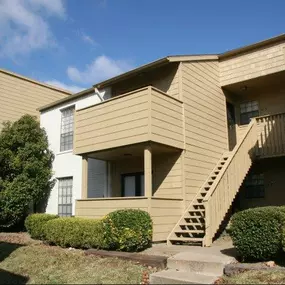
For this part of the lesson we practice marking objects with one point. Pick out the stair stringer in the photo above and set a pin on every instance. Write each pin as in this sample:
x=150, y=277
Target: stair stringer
x=181, y=221
x=178, y=234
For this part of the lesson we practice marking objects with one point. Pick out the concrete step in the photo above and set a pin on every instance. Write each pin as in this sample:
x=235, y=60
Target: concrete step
x=198, y=263
x=180, y=277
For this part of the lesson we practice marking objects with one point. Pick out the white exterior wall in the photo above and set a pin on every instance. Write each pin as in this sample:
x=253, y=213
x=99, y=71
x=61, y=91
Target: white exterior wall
x=66, y=164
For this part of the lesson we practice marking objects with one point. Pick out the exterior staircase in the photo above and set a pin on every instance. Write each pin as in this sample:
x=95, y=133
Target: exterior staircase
x=203, y=217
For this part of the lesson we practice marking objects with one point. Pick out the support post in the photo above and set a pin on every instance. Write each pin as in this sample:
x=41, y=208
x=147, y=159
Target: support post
x=84, y=187
x=148, y=171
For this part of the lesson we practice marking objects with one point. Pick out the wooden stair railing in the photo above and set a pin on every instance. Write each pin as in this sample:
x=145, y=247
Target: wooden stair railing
x=204, y=215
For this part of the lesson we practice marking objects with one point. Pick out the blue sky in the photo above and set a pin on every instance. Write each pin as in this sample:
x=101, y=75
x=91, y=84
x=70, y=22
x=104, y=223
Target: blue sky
x=77, y=43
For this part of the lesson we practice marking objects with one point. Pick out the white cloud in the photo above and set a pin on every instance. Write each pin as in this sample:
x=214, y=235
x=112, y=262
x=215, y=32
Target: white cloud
x=88, y=40
x=23, y=25
x=72, y=88
x=101, y=68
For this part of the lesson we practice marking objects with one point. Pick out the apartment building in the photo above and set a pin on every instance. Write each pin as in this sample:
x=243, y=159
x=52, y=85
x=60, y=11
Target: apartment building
x=183, y=138
x=20, y=95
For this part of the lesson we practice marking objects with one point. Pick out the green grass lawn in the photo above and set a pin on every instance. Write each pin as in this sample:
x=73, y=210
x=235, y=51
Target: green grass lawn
x=255, y=277
x=25, y=260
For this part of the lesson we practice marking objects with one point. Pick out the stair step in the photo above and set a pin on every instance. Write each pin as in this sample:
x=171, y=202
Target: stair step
x=171, y=276
x=193, y=224
x=190, y=231
x=194, y=217
x=197, y=210
x=187, y=239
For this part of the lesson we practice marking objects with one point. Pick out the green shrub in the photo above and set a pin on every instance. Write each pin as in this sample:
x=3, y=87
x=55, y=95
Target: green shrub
x=257, y=233
x=127, y=230
x=35, y=224
x=74, y=232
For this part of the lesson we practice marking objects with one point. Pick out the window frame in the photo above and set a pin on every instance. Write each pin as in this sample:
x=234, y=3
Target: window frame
x=61, y=196
x=256, y=188
x=247, y=114
x=63, y=146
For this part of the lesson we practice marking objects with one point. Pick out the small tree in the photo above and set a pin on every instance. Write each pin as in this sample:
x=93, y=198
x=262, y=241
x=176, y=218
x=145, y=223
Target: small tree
x=25, y=170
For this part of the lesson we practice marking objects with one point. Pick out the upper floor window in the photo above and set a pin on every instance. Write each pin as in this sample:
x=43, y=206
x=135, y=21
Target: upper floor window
x=66, y=134
x=254, y=184
x=248, y=110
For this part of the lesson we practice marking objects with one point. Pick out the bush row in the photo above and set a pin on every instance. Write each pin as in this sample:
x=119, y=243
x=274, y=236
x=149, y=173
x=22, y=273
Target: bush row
x=125, y=230
x=259, y=233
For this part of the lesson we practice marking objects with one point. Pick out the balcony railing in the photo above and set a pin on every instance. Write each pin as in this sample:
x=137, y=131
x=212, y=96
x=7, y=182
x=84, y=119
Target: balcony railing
x=271, y=135
x=146, y=114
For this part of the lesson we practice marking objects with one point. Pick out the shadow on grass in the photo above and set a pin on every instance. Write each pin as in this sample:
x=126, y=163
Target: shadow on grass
x=7, y=277
x=6, y=248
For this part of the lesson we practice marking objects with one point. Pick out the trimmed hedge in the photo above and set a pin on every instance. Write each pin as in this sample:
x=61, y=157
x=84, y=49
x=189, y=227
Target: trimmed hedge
x=35, y=224
x=127, y=230
x=257, y=233
x=74, y=232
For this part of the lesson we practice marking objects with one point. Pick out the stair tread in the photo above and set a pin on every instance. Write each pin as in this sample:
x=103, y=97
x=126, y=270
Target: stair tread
x=192, y=224
x=187, y=238
x=197, y=210
x=190, y=231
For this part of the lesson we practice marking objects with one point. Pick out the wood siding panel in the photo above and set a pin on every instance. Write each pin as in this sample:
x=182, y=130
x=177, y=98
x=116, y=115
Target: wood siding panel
x=97, y=128
x=167, y=176
x=164, y=110
x=205, y=123
x=97, y=208
x=19, y=97
x=253, y=64
x=165, y=214
x=142, y=115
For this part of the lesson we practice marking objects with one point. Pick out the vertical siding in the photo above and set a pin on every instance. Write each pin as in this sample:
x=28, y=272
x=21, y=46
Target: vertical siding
x=19, y=97
x=253, y=64
x=205, y=122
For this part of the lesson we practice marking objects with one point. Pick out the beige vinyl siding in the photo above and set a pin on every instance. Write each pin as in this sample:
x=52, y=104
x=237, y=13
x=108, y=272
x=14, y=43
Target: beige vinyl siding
x=166, y=124
x=164, y=78
x=165, y=214
x=167, y=175
x=120, y=121
x=253, y=64
x=19, y=97
x=205, y=122
x=97, y=208
x=146, y=114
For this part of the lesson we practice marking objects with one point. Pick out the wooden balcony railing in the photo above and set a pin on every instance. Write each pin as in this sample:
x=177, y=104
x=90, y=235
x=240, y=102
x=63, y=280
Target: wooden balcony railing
x=271, y=135
x=145, y=114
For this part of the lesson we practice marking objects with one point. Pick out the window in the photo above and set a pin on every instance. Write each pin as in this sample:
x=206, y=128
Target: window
x=66, y=134
x=65, y=196
x=254, y=185
x=248, y=110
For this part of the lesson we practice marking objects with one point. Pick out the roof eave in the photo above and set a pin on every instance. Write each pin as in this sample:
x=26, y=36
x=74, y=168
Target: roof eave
x=66, y=99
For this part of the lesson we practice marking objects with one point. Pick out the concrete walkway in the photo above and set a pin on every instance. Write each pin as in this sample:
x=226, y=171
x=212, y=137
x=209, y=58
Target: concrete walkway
x=192, y=264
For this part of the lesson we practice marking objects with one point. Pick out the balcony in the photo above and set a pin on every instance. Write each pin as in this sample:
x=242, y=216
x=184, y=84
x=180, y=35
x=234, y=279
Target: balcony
x=143, y=115
x=271, y=135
